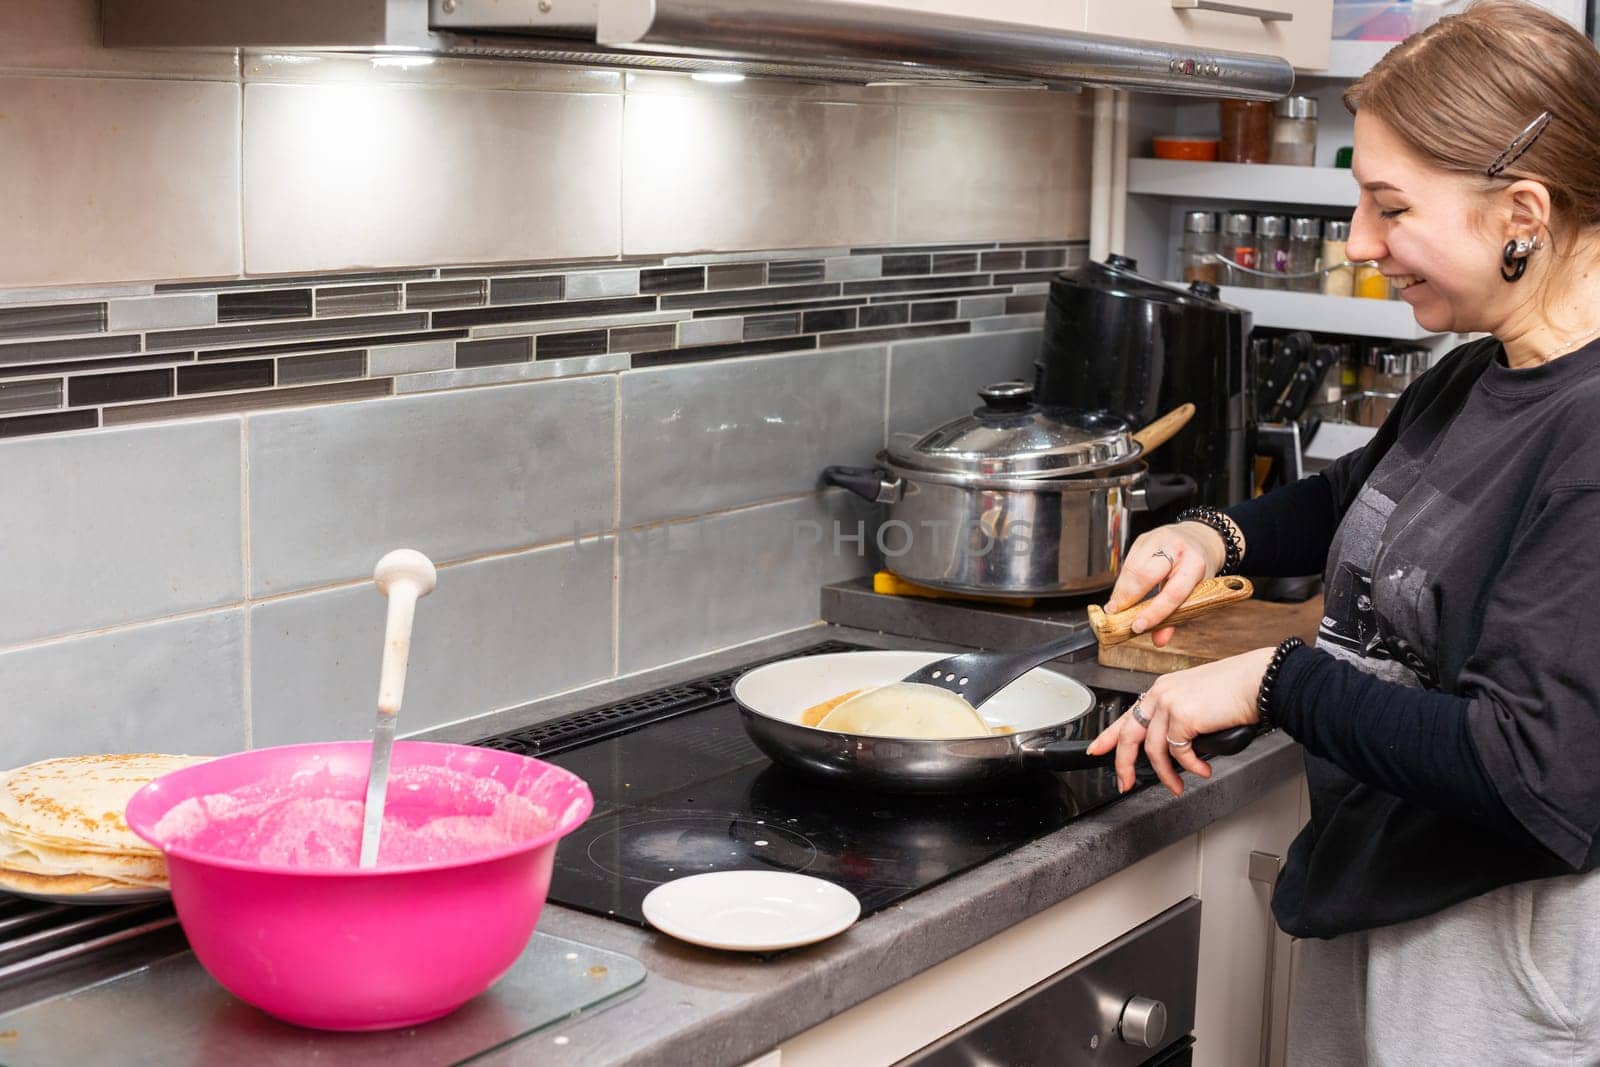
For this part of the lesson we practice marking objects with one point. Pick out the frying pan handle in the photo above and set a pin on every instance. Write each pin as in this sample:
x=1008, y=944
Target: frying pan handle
x=868, y=483
x=1074, y=755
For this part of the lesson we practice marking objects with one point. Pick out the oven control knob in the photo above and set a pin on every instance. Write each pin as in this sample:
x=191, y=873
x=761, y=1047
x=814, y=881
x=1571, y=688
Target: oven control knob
x=1143, y=1022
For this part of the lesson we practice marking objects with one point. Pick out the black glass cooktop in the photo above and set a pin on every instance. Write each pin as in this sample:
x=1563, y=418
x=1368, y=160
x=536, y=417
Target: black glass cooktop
x=680, y=789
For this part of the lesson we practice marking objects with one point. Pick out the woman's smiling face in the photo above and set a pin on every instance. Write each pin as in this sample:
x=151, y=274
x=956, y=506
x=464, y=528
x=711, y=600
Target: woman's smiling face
x=1427, y=230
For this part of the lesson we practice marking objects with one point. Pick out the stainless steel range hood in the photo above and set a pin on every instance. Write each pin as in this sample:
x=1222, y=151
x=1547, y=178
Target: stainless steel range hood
x=826, y=40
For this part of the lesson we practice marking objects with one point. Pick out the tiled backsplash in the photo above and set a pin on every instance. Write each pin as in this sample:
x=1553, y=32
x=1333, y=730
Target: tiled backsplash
x=109, y=358
x=204, y=584
x=248, y=282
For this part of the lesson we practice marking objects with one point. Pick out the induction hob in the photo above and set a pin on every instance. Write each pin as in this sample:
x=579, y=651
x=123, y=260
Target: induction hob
x=680, y=789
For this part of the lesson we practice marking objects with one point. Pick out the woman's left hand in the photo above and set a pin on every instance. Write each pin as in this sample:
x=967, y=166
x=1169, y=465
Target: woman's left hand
x=1180, y=706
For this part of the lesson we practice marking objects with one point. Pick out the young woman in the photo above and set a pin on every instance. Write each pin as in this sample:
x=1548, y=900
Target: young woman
x=1450, y=710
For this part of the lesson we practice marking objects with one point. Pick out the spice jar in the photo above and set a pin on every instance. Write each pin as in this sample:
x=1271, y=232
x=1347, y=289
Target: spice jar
x=1200, y=248
x=1398, y=367
x=1294, y=131
x=1371, y=284
x=1246, y=131
x=1238, y=244
x=1336, y=280
x=1305, y=245
x=1272, y=249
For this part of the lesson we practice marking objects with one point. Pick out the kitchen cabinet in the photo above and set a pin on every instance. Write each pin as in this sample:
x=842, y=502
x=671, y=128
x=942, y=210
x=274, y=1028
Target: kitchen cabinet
x=1244, y=957
x=1301, y=37
x=1297, y=30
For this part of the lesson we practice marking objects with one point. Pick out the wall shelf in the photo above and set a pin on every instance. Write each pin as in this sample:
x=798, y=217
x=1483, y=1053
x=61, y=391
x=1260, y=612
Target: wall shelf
x=1280, y=309
x=1327, y=186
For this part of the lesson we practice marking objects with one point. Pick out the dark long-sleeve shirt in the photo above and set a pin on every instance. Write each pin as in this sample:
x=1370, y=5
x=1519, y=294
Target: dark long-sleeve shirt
x=1451, y=711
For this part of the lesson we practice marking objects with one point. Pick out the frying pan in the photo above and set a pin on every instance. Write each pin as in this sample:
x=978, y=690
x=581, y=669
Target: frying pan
x=1049, y=712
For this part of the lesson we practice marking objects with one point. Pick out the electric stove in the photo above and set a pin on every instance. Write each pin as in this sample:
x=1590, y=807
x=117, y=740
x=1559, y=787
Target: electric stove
x=680, y=789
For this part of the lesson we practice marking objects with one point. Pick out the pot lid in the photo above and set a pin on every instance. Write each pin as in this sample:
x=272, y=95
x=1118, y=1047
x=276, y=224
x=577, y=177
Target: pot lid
x=1010, y=435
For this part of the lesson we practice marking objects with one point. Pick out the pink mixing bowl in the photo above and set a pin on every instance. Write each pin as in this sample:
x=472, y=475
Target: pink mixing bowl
x=352, y=949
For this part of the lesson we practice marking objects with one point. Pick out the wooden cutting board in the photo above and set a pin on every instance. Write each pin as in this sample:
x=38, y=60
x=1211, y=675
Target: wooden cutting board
x=1225, y=632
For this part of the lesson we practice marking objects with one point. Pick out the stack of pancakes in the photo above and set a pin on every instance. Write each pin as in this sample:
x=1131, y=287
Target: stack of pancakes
x=62, y=829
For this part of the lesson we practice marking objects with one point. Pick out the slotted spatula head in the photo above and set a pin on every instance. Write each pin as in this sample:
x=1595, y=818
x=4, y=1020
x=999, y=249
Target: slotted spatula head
x=977, y=676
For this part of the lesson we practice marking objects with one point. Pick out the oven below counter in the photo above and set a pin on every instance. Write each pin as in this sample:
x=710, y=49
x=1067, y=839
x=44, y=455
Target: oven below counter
x=902, y=979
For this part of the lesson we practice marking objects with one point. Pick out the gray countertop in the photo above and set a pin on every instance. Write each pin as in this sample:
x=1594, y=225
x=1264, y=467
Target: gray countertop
x=703, y=1006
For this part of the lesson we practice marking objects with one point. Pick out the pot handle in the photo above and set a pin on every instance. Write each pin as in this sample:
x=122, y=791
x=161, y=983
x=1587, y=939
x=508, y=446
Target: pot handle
x=1164, y=429
x=1159, y=490
x=868, y=483
x=1074, y=756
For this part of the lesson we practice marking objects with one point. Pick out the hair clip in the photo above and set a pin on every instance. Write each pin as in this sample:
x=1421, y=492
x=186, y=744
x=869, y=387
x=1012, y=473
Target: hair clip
x=1519, y=144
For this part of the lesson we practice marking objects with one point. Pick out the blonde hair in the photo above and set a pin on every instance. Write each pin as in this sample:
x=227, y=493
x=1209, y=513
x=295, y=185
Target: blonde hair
x=1461, y=90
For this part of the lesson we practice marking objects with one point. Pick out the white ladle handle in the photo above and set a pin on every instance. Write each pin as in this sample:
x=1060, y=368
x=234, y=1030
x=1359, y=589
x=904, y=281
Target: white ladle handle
x=403, y=575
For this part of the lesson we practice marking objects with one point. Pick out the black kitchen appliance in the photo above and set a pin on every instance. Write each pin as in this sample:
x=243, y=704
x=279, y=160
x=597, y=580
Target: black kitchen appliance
x=680, y=789
x=1117, y=341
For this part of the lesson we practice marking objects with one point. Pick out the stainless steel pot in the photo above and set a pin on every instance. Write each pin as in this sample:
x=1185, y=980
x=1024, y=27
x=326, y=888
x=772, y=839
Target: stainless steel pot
x=1007, y=536
x=1015, y=501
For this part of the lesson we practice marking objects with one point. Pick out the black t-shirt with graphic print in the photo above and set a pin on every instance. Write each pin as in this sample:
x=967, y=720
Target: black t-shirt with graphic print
x=1451, y=709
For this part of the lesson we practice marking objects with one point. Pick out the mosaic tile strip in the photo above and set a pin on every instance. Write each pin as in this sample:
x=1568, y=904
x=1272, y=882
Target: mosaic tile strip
x=30, y=395
x=77, y=359
x=47, y=321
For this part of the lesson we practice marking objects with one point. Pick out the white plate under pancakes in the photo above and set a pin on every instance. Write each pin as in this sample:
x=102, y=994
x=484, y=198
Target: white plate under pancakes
x=104, y=897
x=63, y=838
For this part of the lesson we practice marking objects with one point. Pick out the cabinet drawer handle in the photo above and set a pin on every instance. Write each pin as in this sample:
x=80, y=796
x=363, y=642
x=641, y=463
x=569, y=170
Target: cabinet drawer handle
x=1264, y=14
x=1263, y=868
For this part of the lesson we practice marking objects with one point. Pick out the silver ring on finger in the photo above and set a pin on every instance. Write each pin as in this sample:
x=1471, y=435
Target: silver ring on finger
x=1163, y=554
x=1139, y=715
x=1179, y=744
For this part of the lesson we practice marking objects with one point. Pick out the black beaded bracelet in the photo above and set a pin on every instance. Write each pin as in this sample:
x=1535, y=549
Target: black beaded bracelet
x=1215, y=519
x=1270, y=678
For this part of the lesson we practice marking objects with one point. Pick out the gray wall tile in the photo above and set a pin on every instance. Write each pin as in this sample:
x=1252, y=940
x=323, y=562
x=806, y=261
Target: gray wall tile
x=1030, y=321
x=514, y=372
x=593, y=284
x=174, y=686
x=710, y=331
x=408, y=359
x=492, y=634
x=934, y=380
x=587, y=322
x=118, y=526
x=30, y=395
x=701, y=437
x=849, y=268
x=977, y=307
x=332, y=489
x=162, y=312
x=689, y=587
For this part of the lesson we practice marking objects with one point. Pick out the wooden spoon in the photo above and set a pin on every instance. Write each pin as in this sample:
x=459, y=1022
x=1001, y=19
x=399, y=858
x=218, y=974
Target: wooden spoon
x=1163, y=429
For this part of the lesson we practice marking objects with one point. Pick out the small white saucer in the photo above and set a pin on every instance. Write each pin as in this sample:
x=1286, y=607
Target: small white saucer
x=751, y=911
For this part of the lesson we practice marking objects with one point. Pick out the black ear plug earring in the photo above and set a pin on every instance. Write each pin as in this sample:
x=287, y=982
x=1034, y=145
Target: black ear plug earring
x=1515, y=257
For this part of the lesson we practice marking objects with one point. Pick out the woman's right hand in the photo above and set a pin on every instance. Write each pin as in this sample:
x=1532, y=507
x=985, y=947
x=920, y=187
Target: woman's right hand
x=1176, y=557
